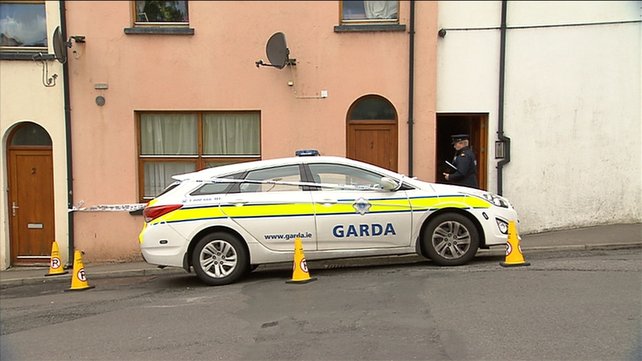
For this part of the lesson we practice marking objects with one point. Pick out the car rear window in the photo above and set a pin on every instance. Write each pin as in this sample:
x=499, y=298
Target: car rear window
x=169, y=188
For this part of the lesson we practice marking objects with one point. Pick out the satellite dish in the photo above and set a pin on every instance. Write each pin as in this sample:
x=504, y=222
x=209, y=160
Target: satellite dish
x=60, y=45
x=277, y=50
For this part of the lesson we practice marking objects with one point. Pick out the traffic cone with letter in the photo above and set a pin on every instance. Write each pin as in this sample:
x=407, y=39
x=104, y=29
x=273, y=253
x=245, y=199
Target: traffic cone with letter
x=79, y=278
x=55, y=264
x=514, y=256
x=300, y=272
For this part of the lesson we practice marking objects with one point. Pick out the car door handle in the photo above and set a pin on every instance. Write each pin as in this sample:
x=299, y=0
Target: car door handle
x=237, y=202
x=327, y=202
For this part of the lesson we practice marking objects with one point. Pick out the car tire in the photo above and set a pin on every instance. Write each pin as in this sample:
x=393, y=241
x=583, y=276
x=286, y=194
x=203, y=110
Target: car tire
x=220, y=258
x=450, y=239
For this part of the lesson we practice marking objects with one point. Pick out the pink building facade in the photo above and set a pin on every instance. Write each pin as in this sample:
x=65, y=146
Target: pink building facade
x=150, y=98
x=147, y=89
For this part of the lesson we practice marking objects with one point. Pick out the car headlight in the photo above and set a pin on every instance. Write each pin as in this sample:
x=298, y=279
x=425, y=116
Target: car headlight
x=502, y=225
x=499, y=201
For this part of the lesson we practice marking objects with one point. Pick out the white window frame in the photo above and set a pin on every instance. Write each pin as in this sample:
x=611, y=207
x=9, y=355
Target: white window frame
x=29, y=49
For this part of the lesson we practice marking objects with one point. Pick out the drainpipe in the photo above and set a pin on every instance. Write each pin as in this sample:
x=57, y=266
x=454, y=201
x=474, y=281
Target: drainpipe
x=411, y=85
x=500, y=114
x=70, y=188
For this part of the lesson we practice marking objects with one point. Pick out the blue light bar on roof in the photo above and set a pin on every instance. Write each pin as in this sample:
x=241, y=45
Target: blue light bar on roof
x=306, y=153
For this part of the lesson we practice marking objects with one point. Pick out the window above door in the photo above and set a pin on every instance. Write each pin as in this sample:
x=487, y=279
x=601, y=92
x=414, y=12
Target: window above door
x=372, y=107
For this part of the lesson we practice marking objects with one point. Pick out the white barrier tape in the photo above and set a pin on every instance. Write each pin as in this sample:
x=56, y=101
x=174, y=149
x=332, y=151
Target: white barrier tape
x=138, y=206
x=374, y=187
x=110, y=208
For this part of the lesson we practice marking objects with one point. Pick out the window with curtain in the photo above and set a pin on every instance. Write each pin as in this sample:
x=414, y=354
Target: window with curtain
x=23, y=26
x=153, y=12
x=363, y=11
x=176, y=143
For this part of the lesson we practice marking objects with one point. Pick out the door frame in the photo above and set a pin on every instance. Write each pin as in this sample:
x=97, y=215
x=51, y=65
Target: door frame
x=473, y=124
x=14, y=239
x=373, y=112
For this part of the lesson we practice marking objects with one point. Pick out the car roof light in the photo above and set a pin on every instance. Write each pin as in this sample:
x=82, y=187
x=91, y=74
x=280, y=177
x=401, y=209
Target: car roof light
x=307, y=153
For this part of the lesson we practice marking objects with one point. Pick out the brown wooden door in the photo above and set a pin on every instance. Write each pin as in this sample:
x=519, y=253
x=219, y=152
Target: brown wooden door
x=373, y=142
x=31, y=205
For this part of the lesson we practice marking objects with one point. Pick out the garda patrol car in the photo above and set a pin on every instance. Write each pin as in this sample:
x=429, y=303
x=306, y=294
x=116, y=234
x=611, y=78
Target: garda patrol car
x=224, y=221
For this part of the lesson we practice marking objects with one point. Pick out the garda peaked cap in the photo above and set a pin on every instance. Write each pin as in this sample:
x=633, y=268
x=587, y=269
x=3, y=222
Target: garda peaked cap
x=455, y=138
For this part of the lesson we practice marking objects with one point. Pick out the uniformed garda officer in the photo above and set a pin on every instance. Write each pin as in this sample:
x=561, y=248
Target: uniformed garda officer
x=464, y=162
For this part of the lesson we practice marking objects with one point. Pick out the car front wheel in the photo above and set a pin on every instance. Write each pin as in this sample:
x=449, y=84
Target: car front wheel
x=219, y=259
x=451, y=239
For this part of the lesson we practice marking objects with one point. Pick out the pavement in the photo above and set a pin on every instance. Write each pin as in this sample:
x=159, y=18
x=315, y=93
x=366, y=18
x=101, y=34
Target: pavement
x=617, y=236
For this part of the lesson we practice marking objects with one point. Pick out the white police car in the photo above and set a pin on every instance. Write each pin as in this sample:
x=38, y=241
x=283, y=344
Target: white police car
x=223, y=221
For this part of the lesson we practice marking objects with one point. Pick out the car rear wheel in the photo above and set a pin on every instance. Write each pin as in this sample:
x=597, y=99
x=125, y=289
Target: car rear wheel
x=219, y=259
x=451, y=239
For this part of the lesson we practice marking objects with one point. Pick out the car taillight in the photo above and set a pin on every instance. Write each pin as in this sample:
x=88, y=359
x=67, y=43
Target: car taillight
x=151, y=213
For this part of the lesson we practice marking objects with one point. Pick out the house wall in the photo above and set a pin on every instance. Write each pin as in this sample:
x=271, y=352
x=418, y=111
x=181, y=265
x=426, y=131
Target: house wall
x=214, y=69
x=23, y=98
x=572, y=104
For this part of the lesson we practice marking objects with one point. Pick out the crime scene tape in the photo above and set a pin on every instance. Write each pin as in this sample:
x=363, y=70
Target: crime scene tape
x=372, y=187
x=109, y=208
x=138, y=206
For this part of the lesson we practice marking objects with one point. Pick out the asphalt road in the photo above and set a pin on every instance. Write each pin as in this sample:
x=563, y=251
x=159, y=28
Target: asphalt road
x=565, y=306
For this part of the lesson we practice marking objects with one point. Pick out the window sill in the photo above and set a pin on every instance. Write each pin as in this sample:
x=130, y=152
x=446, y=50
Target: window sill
x=368, y=28
x=15, y=55
x=157, y=30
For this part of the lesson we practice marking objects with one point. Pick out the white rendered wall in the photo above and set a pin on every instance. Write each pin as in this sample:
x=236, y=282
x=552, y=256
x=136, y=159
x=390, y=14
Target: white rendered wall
x=23, y=98
x=572, y=104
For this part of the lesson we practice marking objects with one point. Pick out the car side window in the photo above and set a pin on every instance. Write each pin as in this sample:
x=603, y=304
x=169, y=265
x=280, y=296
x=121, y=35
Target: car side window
x=272, y=180
x=218, y=187
x=343, y=175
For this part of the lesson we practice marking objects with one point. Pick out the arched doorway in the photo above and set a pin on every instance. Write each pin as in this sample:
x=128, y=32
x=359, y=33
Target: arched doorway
x=372, y=132
x=31, y=194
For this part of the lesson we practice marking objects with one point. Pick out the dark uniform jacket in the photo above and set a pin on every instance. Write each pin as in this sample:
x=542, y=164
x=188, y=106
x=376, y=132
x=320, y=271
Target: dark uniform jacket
x=466, y=165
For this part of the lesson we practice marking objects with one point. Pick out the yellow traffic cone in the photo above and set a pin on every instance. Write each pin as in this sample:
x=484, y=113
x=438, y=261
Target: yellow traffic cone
x=79, y=278
x=300, y=273
x=514, y=256
x=55, y=265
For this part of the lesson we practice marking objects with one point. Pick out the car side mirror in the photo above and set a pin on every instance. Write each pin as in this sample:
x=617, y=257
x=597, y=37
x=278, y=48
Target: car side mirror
x=389, y=184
